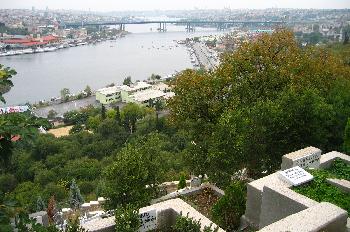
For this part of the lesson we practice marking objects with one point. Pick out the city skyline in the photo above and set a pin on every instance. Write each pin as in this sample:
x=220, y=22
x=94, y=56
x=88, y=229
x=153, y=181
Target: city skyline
x=137, y=5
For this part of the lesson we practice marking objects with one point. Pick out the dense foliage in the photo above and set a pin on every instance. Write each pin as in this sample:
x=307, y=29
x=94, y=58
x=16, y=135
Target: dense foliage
x=127, y=219
x=267, y=98
x=189, y=225
x=228, y=210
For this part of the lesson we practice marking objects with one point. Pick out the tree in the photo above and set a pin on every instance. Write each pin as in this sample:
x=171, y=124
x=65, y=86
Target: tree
x=75, y=198
x=5, y=82
x=127, y=81
x=103, y=112
x=65, y=93
x=267, y=98
x=134, y=175
x=88, y=91
x=130, y=114
x=117, y=116
x=127, y=219
x=51, y=114
x=51, y=210
x=40, y=205
x=182, y=181
x=229, y=209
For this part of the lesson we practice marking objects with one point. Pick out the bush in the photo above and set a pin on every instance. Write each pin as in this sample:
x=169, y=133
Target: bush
x=8, y=182
x=229, y=209
x=127, y=219
x=187, y=224
x=182, y=182
x=86, y=187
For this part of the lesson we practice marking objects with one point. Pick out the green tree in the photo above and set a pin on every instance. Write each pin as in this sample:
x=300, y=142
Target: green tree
x=103, y=112
x=65, y=93
x=127, y=81
x=228, y=210
x=127, y=219
x=182, y=181
x=40, y=205
x=75, y=198
x=135, y=174
x=267, y=98
x=5, y=82
x=51, y=114
x=130, y=114
x=88, y=91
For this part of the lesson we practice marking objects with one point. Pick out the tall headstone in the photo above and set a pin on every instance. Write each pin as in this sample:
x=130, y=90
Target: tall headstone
x=305, y=158
x=148, y=220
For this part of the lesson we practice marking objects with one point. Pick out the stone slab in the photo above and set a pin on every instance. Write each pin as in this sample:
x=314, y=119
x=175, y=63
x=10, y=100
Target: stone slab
x=305, y=158
x=254, y=197
x=328, y=158
x=332, y=219
x=295, y=176
x=166, y=215
x=279, y=202
x=342, y=184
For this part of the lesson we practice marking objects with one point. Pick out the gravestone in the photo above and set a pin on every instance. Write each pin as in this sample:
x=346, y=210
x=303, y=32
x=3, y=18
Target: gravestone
x=148, y=220
x=295, y=176
x=305, y=158
x=195, y=182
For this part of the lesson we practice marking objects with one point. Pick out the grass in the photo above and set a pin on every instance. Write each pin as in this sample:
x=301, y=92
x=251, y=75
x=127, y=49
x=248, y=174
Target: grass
x=319, y=190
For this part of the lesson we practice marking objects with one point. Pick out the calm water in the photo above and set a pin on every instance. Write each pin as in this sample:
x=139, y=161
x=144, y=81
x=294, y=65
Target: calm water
x=42, y=76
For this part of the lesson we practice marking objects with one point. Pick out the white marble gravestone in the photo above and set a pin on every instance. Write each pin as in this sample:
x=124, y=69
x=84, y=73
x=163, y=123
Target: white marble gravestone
x=295, y=176
x=305, y=158
x=148, y=220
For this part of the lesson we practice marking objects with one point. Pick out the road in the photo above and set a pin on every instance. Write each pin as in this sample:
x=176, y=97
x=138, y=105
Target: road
x=62, y=108
x=203, y=56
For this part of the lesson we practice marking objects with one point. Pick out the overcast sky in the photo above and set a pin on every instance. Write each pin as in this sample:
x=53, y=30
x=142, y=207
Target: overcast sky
x=116, y=5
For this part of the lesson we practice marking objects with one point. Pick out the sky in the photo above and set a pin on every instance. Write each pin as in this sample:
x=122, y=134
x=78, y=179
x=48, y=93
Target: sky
x=121, y=5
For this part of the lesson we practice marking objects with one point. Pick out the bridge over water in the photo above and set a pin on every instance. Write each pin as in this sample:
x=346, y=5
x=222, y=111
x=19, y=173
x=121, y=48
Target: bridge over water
x=190, y=24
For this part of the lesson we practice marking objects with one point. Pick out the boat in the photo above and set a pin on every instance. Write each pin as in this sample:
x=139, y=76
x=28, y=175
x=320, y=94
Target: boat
x=39, y=50
x=18, y=52
x=50, y=49
x=10, y=53
x=28, y=51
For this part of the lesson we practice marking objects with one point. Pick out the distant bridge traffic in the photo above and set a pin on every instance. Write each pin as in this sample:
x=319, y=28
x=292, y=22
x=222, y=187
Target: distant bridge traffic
x=221, y=24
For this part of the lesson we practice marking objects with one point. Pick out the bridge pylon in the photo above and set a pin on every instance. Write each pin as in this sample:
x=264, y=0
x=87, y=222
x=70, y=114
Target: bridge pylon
x=162, y=27
x=122, y=27
x=190, y=28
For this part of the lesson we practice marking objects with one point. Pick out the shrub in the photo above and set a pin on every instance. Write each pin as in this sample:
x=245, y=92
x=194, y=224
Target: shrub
x=8, y=182
x=182, y=181
x=229, y=209
x=127, y=219
x=86, y=187
x=187, y=224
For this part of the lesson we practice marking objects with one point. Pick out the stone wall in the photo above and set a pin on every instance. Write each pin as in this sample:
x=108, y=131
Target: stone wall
x=272, y=204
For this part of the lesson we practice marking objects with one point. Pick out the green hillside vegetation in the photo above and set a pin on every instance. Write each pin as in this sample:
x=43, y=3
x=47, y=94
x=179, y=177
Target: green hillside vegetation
x=268, y=98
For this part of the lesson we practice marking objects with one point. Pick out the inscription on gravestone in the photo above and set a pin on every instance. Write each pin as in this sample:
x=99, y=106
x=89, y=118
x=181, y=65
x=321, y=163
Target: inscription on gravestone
x=308, y=161
x=148, y=221
x=295, y=176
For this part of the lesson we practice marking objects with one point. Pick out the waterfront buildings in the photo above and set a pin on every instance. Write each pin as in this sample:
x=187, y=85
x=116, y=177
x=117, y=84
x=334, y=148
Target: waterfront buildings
x=141, y=93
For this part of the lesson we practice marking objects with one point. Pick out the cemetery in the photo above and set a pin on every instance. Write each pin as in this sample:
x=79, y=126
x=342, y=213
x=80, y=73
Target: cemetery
x=309, y=193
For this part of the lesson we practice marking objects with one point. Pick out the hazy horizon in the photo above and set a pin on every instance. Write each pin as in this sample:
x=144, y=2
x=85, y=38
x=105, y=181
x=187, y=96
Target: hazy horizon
x=137, y=5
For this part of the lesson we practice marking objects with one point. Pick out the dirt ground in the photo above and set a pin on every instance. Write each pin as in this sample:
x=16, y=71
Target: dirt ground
x=59, y=132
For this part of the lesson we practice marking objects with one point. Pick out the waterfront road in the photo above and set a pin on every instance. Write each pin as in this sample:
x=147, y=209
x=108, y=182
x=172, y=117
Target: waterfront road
x=203, y=56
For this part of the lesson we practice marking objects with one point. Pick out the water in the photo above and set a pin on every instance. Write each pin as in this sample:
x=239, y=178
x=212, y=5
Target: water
x=42, y=76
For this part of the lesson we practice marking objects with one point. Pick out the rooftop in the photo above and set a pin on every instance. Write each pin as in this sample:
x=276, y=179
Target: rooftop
x=135, y=87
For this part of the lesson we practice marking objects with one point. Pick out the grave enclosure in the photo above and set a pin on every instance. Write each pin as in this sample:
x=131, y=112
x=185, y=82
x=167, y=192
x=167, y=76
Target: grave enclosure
x=273, y=206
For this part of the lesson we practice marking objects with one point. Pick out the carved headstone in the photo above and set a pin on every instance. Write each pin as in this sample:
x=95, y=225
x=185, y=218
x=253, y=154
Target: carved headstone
x=305, y=158
x=148, y=221
x=295, y=176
